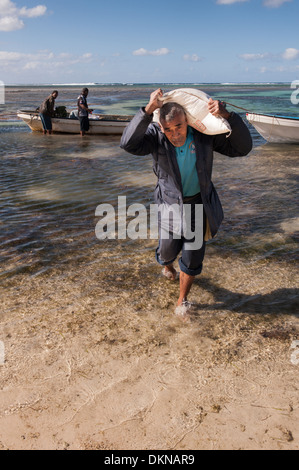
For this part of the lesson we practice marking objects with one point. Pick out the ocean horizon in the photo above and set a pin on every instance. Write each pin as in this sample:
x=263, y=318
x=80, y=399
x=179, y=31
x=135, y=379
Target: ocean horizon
x=143, y=83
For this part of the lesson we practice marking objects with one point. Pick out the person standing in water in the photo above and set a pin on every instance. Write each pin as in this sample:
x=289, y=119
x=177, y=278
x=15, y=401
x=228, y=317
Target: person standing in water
x=83, y=111
x=46, y=110
x=183, y=161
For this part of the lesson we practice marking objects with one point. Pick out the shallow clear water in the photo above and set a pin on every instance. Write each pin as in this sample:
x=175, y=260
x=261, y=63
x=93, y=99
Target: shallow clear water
x=94, y=356
x=51, y=186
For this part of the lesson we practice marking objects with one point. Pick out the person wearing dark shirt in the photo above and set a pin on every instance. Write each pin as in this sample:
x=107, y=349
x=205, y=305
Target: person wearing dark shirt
x=47, y=112
x=83, y=111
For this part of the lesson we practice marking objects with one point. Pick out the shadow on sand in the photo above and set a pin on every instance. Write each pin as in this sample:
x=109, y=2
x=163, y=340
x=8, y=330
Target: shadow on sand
x=284, y=301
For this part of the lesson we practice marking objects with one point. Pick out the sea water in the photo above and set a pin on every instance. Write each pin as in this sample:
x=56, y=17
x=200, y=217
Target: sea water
x=51, y=186
x=91, y=353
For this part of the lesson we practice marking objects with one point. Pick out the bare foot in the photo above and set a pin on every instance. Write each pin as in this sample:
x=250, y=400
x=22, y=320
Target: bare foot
x=170, y=272
x=184, y=310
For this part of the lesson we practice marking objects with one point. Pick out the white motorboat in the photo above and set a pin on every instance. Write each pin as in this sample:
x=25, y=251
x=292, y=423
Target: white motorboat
x=276, y=129
x=100, y=124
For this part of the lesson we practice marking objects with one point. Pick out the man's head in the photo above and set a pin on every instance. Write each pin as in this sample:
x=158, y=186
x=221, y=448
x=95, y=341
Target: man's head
x=85, y=91
x=55, y=94
x=173, y=122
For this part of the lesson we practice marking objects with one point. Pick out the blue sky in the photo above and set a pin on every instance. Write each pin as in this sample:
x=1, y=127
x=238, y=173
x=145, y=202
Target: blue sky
x=108, y=41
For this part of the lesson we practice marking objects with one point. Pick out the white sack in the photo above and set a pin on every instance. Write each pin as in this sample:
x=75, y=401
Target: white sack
x=196, y=107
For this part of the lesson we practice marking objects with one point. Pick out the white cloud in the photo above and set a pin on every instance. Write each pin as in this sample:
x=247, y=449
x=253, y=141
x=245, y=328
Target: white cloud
x=87, y=56
x=10, y=23
x=266, y=3
x=192, y=58
x=290, y=54
x=145, y=52
x=31, y=66
x=11, y=16
x=40, y=10
x=260, y=56
x=275, y=3
x=230, y=2
x=6, y=57
x=7, y=7
x=44, y=60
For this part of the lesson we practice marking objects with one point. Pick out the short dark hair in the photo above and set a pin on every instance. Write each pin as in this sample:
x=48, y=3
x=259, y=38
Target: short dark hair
x=169, y=111
x=85, y=90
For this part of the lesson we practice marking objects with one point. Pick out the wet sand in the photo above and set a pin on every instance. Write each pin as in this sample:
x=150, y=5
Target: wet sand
x=105, y=364
x=94, y=355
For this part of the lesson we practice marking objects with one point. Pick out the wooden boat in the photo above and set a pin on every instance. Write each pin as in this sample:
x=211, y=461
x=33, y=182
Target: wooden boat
x=100, y=124
x=276, y=129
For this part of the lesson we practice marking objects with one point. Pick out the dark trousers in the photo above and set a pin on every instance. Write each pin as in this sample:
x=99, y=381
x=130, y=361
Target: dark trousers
x=191, y=260
x=84, y=123
x=46, y=121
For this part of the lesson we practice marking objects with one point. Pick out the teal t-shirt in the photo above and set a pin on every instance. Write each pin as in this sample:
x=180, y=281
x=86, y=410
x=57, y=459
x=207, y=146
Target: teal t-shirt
x=186, y=158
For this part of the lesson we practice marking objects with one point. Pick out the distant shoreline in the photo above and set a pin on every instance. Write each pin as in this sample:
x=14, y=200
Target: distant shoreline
x=93, y=84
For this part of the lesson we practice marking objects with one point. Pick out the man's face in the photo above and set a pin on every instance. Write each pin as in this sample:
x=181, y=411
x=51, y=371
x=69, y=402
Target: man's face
x=176, y=130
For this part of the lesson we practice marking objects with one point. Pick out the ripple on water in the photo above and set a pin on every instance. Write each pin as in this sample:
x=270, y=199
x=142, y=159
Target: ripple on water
x=50, y=188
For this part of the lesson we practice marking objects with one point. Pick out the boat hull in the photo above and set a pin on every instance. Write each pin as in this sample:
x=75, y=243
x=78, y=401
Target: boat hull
x=105, y=125
x=276, y=129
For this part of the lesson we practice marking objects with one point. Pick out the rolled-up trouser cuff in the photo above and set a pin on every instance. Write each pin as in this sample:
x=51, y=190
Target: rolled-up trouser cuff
x=190, y=272
x=191, y=261
x=163, y=263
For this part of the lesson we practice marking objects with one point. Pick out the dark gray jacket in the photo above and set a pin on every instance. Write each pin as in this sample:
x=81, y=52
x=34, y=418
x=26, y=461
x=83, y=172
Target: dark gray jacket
x=142, y=137
x=47, y=107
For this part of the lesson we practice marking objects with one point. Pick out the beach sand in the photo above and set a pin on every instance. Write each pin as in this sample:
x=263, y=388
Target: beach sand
x=94, y=356
x=104, y=363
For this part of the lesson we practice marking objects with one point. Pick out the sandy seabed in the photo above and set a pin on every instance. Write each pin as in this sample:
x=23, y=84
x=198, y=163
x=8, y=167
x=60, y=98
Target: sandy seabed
x=97, y=360
x=94, y=355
